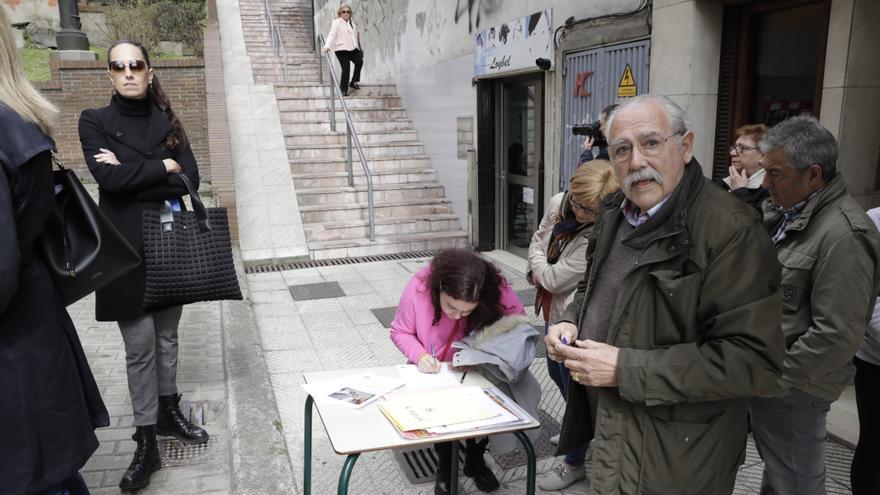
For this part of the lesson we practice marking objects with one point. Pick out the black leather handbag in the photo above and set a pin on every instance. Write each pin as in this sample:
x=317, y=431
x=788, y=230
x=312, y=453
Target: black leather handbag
x=188, y=255
x=82, y=249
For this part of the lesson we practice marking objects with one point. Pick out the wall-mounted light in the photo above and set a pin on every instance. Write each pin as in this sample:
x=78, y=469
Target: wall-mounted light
x=543, y=63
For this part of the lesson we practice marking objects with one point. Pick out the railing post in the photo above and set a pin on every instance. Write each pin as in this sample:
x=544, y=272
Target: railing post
x=332, y=107
x=350, y=168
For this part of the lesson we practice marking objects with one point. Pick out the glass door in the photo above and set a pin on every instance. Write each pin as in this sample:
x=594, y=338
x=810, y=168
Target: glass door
x=522, y=152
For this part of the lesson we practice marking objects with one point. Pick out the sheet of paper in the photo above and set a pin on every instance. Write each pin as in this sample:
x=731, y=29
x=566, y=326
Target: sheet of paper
x=354, y=391
x=416, y=380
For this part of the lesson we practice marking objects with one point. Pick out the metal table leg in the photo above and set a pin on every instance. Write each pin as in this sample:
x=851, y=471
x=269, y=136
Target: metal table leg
x=530, y=461
x=453, y=479
x=307, y=444
x=345, y=476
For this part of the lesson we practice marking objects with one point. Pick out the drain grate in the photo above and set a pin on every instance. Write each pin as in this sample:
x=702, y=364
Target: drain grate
x=543, y=447
x=420, y=465
x=337, y=261
x=175, y=453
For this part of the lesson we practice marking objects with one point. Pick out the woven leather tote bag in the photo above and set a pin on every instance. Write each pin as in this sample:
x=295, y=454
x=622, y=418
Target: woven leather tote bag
x=188, y=255
x=82, y=249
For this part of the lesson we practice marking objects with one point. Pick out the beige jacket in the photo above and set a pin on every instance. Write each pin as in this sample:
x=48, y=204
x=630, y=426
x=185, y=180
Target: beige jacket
x=342, y=37
x=560, y=278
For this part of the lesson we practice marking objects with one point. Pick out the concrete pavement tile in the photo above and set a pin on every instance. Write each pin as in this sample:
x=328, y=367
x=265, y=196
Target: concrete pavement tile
x=277, y=296
x=275, y=309
x=272, y=324
x=293, y=275
x=278, y=341
x=360, y=316
x=356, y=287
x=292, y=361
x=318, y=323
x=266, y=285
x=266, y=276
x=319, y=306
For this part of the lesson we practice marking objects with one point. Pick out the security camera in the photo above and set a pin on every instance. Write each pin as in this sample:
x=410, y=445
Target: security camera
x=543, y=63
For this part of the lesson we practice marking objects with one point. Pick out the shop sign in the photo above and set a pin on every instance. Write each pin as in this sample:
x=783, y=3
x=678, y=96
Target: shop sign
x=514, y=45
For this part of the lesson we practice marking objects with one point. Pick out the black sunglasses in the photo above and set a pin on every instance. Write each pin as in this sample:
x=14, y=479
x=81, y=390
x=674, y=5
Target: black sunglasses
x=133, y=65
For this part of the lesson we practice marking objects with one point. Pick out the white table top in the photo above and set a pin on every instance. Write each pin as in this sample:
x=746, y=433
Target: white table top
x=366, y=429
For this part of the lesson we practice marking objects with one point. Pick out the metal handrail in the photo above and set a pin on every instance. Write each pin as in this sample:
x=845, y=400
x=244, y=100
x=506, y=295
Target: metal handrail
x=275, y=34
x=351, y=134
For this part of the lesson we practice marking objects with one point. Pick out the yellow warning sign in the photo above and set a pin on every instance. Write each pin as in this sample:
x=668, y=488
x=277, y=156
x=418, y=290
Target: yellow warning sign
x=627, y=86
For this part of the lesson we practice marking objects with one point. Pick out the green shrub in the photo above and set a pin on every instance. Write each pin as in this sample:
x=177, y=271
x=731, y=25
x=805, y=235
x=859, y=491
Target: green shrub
x=152, y=21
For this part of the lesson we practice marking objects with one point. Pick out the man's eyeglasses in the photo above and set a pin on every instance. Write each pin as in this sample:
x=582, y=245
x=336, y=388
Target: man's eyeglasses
x=740, y=148
x=648, y=146
x=585, y=209
x=133, y=65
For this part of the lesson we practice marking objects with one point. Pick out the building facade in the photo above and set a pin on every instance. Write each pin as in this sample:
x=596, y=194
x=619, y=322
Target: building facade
x=497, y=121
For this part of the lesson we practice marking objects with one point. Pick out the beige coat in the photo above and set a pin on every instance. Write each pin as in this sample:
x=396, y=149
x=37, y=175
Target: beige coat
x=560, y=278
x=342, y=37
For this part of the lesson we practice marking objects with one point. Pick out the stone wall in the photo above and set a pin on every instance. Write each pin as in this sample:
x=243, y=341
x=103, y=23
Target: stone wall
x=78, y=85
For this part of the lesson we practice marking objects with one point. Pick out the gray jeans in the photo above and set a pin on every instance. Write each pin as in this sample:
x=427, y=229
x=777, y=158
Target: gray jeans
x=790, y=435
x=151, y=361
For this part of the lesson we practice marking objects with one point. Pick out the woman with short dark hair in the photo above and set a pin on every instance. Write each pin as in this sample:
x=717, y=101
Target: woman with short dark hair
x=135, y=147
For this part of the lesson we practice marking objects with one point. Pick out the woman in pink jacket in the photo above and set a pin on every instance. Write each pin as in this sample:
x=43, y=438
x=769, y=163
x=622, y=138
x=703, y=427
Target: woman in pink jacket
x=456, y=293
x=345, y=41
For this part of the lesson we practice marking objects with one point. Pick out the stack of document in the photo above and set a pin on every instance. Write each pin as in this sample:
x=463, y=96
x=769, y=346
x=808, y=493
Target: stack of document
x=451, y=410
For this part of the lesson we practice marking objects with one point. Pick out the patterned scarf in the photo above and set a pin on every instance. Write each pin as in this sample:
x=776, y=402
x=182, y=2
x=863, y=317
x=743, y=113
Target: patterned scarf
x=565, y=229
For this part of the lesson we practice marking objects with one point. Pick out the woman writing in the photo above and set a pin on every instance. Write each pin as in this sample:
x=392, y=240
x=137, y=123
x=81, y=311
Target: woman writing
x=51, y=404
x=443, y=302
x=557, y=262
x=345, y=41
x=135, y=147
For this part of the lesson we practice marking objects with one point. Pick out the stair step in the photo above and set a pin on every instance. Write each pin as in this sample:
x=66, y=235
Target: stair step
x=339, y=137
x=388, y=245
x=296, y=125
x=334, y=212
x=370, y=150
x=354, y=102
x=357, y=114
x=283, y=91
x=359, y=194
x=390, y=163
x=359, y=229
x=381, y=177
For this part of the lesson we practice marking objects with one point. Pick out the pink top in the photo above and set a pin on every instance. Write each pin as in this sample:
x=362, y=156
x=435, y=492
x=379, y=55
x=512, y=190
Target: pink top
x=412, y=330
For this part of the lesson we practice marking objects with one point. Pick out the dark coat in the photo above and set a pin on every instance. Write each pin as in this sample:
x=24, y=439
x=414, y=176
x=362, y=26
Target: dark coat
x=135, y=130
x=697, y=322
x=50, y=403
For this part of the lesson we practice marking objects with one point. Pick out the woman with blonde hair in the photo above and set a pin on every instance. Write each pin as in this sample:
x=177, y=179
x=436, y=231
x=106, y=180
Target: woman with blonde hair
x=557, y=262
x=345, y=41
x=51, y=404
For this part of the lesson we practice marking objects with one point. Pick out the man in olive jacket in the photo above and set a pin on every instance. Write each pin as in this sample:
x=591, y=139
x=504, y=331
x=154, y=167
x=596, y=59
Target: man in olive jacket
x=677, y=321
x=829, y=250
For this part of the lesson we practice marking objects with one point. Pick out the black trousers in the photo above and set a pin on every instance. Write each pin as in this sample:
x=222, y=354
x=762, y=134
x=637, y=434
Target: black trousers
x=346, y=57
x=864, y=474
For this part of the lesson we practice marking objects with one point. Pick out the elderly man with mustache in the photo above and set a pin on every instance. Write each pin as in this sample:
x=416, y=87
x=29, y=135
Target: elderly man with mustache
x=675, y=325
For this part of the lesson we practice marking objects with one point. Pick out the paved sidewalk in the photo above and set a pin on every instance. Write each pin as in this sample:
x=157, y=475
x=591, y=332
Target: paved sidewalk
x=322, y=331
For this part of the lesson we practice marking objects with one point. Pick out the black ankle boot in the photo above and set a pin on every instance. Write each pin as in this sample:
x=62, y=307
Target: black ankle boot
x=476, y=468
x=146, y=460
x=172, y=423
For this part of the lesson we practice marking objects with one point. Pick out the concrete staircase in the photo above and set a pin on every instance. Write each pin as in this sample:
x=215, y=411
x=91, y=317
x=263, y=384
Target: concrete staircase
x=411, y=211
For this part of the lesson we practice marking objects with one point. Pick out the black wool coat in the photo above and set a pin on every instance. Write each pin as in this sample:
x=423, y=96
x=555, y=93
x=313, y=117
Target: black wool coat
x=134, y=130
x=49, y=402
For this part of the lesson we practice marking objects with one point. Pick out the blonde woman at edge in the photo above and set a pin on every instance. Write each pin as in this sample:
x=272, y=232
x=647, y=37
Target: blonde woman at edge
x=51, y=404
x=345, y=40
x=557, y=262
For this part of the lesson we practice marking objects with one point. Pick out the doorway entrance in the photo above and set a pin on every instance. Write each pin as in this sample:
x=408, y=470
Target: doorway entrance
x=520, y=145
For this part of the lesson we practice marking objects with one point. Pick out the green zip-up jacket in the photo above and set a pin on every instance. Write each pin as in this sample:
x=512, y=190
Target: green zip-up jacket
x=697, y=321
x=830, y=260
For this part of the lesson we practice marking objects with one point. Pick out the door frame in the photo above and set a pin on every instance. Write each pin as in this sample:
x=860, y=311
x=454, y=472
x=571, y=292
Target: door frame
x=501, y=174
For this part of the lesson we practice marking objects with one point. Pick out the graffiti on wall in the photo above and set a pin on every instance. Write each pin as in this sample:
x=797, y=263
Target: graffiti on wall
x=15, y=3
x=474, y=10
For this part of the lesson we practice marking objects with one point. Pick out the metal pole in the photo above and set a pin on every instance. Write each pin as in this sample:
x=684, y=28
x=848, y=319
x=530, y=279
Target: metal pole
x=332, y=106
x=307, y=447
x=345, y=476
x=70, y=36
x=350, y=171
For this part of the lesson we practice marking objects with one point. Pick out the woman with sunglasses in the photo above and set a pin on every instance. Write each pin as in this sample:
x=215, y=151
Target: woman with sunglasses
x=557, y=263
x=456, y=293
x=50, y=402
x=345, y=41
x=134, y=148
